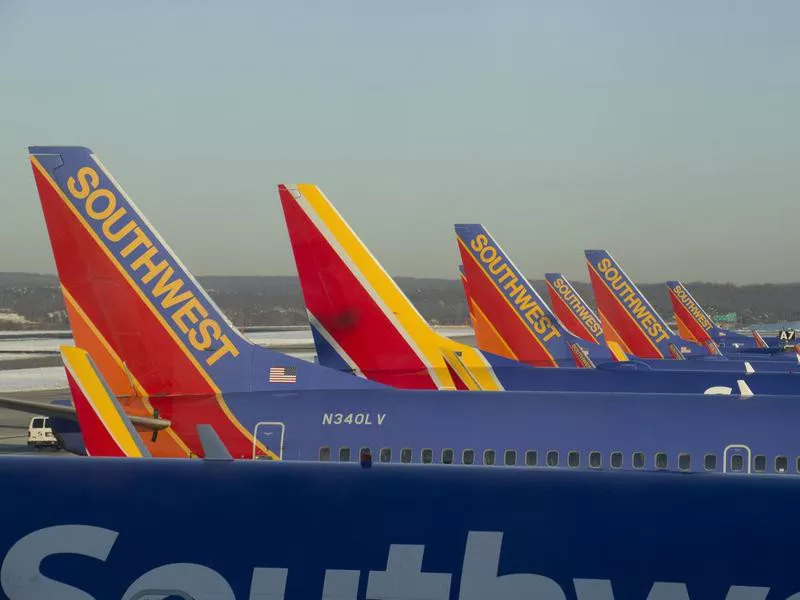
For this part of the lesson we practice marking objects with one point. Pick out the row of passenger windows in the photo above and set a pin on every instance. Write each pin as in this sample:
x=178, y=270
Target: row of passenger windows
x=552, y=458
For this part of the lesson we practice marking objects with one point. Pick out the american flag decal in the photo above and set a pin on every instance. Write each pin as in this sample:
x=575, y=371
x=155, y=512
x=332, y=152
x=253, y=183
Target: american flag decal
x=283, y=374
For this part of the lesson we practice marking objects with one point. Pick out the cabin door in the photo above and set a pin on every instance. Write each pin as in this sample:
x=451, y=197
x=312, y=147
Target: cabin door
x=736, y=460
x=269, y=435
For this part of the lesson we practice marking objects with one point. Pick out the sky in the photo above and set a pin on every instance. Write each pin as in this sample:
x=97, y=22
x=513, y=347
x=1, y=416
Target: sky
x=665, y=132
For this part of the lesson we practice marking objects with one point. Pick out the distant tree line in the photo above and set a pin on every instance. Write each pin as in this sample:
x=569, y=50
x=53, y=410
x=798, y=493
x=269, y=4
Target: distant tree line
x=250, y=301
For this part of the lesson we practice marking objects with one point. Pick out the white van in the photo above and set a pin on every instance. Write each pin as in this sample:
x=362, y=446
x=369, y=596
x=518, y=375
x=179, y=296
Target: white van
x=40, y=434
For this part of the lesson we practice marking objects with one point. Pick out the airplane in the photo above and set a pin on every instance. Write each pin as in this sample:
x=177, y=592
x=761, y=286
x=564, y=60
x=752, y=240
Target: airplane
x=632, y=322
x=110, y=433
x=572, y=310
x=522, y=326
x=362, y=323
x=695, y=324
x=107, y=431
x=155, y=528
x=161, y=343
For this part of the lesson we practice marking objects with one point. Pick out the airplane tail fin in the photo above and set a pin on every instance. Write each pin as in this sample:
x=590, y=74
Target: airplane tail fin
x=572, y=310
x=582, y=359
x=694, y=323
x=361, y=319
x=760, y=342
x=627, y=316
x=155, y=334
x=520, y=319
x=130, y=296
x=106, y=429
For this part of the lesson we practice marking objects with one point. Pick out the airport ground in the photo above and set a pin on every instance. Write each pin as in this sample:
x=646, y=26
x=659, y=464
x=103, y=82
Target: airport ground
x=14, y=424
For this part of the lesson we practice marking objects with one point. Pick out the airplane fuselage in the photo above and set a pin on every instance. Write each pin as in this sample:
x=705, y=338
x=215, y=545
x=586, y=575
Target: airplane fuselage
x=243, y=529
x=580, y=430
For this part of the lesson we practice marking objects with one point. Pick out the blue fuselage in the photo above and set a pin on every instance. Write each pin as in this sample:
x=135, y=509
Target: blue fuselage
x=115, y=528
x=578, y=430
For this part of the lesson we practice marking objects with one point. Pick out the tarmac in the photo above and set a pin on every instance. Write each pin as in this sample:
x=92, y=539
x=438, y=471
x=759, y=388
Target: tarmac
x=14, y=423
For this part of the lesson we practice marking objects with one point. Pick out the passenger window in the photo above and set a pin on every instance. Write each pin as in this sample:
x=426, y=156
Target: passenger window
x=325, y=453
x=573, y=458
x=797, y=465
x=510, y=458
x=737, y=462
x=638, y=460
x=447, y=456
x=344, y=454
x=531, y=458
x=684, y=461
x=710, y=462
x=427, y=456
x=363, y=452
x=616, y=460
x=386, y=455
x=405, y=455
x=468, y=457
x=594, y=460
x=759, y=463
x=781, y=464
x=552, y=458
x=661, y=460
x=488, y=457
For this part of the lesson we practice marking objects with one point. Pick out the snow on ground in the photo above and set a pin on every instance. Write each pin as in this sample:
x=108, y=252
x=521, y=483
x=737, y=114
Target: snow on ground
x=41, y=378
x=278, y=339
x=40, y=346
x=270, y=339
x=11, y=317
x=23, y=333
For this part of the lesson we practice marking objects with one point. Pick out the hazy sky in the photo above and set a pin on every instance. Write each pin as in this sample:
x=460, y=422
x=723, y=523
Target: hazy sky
x=667, y=132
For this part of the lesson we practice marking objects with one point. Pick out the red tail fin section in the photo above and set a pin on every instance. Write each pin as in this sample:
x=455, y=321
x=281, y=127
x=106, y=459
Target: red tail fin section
x=486, y=336
x=693, y=322
x=106, y=429
x=759, y=341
